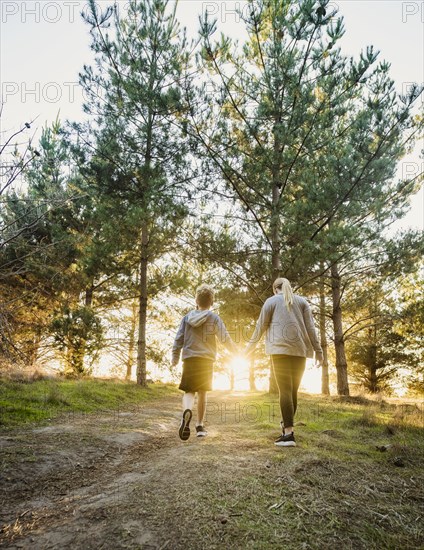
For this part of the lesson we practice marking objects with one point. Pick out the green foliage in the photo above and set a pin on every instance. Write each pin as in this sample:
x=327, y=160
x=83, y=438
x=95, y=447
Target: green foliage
x=377, y=355
x=139, y=165
x=275, y=156
x=409, y=325
x=305, y=139
x=42, y=243
x=385, y=337
x=77, y=334
x=44, y=400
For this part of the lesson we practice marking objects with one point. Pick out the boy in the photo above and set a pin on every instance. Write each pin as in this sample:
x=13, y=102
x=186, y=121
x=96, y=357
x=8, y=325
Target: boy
x=196, y=336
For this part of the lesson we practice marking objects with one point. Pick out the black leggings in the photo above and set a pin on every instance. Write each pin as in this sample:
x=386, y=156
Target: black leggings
x=288, y=372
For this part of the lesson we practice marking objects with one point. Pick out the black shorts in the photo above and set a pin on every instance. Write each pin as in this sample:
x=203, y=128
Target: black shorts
x=197, y=374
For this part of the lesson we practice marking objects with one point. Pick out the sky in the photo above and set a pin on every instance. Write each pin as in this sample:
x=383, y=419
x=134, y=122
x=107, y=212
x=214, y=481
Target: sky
x=44, y=44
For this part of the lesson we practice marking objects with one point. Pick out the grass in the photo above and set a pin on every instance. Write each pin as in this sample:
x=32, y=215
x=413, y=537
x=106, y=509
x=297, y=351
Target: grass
x=40, y=401
x=354, y=481
x=338, y=488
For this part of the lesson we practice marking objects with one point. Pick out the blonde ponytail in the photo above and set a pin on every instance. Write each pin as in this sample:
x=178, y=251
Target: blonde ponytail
x=283, y=286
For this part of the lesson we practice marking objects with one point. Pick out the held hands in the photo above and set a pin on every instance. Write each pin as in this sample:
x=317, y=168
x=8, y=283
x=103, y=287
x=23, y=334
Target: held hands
x=248, y=350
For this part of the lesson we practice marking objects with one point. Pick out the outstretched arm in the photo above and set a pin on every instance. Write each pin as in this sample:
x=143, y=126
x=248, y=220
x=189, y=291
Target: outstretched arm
x=224, y=337
x=312, y=333
x=262, y=324
x=178, y=343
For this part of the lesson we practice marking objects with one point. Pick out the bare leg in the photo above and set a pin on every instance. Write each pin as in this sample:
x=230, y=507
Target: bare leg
x=201, y=407
x=188, y=400
x=188, y=403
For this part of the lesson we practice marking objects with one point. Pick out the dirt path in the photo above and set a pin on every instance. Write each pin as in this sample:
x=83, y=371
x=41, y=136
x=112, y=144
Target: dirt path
x=123, y=480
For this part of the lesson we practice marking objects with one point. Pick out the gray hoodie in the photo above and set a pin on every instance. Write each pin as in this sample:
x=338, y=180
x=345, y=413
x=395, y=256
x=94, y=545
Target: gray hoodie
x=287, y=332
x=197, y=336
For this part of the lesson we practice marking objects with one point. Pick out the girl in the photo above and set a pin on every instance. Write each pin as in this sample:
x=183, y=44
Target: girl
x=290, y=339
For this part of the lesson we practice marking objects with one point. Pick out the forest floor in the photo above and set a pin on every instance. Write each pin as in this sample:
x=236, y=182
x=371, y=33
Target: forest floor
x=124, y=479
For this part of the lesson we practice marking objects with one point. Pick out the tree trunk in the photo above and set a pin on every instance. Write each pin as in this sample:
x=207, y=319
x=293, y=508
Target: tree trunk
x=33, y=352
x=373, y=378
x=89, y=296
x=142, y=314
x=79, y=355
x=131, y=343
x=68, y=359
x=275, y=217
x=341, y=363
x=373, y=382
x=252, y=385
x=144, y=258
x=325, y=380
x=275, y=233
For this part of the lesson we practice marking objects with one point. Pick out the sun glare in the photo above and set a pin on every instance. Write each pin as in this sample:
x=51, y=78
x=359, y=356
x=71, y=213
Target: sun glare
x=221, y=381
x=311, y=381
x=239, y=368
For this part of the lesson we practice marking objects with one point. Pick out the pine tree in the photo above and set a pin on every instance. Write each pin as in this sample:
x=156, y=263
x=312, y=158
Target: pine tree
x=139, y=162
x=41, y=246
x=307, y=140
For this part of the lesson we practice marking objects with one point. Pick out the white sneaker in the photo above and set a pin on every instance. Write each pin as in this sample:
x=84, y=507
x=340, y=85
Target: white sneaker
x=201, y=432
x=286, y=441
x=184, y=431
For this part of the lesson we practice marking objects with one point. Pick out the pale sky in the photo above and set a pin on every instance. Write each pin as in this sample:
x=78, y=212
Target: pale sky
x=44, y=44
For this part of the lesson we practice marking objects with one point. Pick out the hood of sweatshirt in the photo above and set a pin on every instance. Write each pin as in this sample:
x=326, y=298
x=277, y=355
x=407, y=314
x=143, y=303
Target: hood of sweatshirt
x=197, y=317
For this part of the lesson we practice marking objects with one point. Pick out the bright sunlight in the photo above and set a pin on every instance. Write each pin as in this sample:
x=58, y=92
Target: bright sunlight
x=239, y=368
x=311, y=381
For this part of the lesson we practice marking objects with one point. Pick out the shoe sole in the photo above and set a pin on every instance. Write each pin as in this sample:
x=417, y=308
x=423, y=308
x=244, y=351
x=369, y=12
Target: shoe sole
x=201, y=434
x=184, y=431
x=286, y=444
